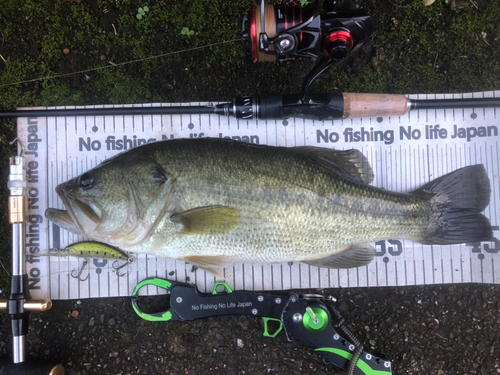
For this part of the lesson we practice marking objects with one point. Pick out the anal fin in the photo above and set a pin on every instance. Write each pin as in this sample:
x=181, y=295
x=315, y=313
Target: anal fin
x=354, y=256
x=211, y=264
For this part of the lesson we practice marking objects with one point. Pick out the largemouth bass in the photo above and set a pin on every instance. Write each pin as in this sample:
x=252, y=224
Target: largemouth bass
x=213, y=202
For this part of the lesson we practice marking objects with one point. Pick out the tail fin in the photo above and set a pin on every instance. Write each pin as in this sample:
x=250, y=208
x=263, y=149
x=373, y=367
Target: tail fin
x=456, y=201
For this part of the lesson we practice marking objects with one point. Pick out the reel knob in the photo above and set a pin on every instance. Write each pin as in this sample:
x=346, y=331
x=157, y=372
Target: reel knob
x=338, y=44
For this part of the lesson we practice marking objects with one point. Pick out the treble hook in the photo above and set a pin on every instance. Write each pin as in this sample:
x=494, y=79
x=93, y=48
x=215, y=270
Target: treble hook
x=85, y=262
x=19, y=143
x=117, y=268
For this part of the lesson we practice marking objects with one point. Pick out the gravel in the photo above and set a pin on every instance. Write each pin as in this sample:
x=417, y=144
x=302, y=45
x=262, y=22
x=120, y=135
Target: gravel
x=441, y=329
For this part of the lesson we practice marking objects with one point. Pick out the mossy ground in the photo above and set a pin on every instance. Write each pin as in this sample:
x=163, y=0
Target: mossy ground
x=417, y=49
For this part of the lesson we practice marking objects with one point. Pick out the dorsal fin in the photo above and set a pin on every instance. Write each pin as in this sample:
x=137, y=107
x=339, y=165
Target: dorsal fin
x=350, y=164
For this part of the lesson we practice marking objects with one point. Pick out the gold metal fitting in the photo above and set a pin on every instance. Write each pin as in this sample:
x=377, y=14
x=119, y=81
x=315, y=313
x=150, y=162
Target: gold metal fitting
x=18, y=209
x=38, y=305
x=57, y=370
x=32, y=305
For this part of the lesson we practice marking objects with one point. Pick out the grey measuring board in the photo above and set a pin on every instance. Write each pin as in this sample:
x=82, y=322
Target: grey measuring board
x=404, y=151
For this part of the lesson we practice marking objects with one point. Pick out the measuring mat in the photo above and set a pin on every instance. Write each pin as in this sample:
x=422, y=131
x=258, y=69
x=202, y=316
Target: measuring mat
x=405, y=152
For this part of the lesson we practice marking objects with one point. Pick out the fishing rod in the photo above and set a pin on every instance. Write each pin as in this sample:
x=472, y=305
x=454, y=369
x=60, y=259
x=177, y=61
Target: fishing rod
x=328, y=31
x=319, y=107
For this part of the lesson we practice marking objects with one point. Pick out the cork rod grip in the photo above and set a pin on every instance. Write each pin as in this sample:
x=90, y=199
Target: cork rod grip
x=370, y=105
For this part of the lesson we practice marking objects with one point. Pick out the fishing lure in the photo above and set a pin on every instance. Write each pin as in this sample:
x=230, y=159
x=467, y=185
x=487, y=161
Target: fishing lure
x=92, y=250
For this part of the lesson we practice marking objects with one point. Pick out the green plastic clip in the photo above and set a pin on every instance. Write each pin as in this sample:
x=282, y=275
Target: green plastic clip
x=155, y=317
x=161, y=283
x=266, y=330
x=223, y=284
x=361, y=364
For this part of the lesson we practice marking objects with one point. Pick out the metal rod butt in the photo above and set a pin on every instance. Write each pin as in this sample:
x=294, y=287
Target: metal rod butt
x=19, y=354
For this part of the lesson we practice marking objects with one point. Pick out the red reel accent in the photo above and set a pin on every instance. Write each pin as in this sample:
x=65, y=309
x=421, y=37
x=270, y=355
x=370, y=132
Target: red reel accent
x=278, y=18
x=253, y=35
x=337, y=35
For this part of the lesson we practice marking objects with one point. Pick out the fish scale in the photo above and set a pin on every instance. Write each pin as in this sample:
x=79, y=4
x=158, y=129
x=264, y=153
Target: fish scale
x=213, y=202
x=307, y=213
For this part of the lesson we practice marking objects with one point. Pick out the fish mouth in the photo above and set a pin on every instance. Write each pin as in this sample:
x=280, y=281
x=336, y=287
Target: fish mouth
x=82, y=214
x=89, y=209
x=63, y=219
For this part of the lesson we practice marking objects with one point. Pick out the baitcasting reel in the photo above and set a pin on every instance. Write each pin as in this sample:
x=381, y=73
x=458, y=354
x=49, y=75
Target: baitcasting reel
x=331, y=31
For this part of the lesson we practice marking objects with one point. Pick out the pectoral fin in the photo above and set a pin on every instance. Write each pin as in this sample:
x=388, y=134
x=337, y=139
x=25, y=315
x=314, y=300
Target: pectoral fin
x=214, y=220
x=211, y=264
x=355, y=256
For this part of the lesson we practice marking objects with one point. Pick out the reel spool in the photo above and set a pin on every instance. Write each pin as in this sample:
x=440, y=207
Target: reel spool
x=288, y=32
x=276, y=20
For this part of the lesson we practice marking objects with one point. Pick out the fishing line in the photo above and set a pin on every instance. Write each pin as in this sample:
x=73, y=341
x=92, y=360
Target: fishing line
x=119, y=64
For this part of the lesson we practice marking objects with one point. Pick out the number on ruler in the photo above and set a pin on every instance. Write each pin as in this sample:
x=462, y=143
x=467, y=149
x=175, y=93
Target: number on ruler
x=395, y=250
x=99, y=263
x=477, y=247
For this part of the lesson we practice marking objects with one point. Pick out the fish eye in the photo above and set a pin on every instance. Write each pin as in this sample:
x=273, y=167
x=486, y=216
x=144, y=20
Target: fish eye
x=86, y=180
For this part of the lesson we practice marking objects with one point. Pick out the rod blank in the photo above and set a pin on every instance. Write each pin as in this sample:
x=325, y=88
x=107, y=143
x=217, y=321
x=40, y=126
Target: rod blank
x=455, y=103
x=123, y=111
x=317, y=107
